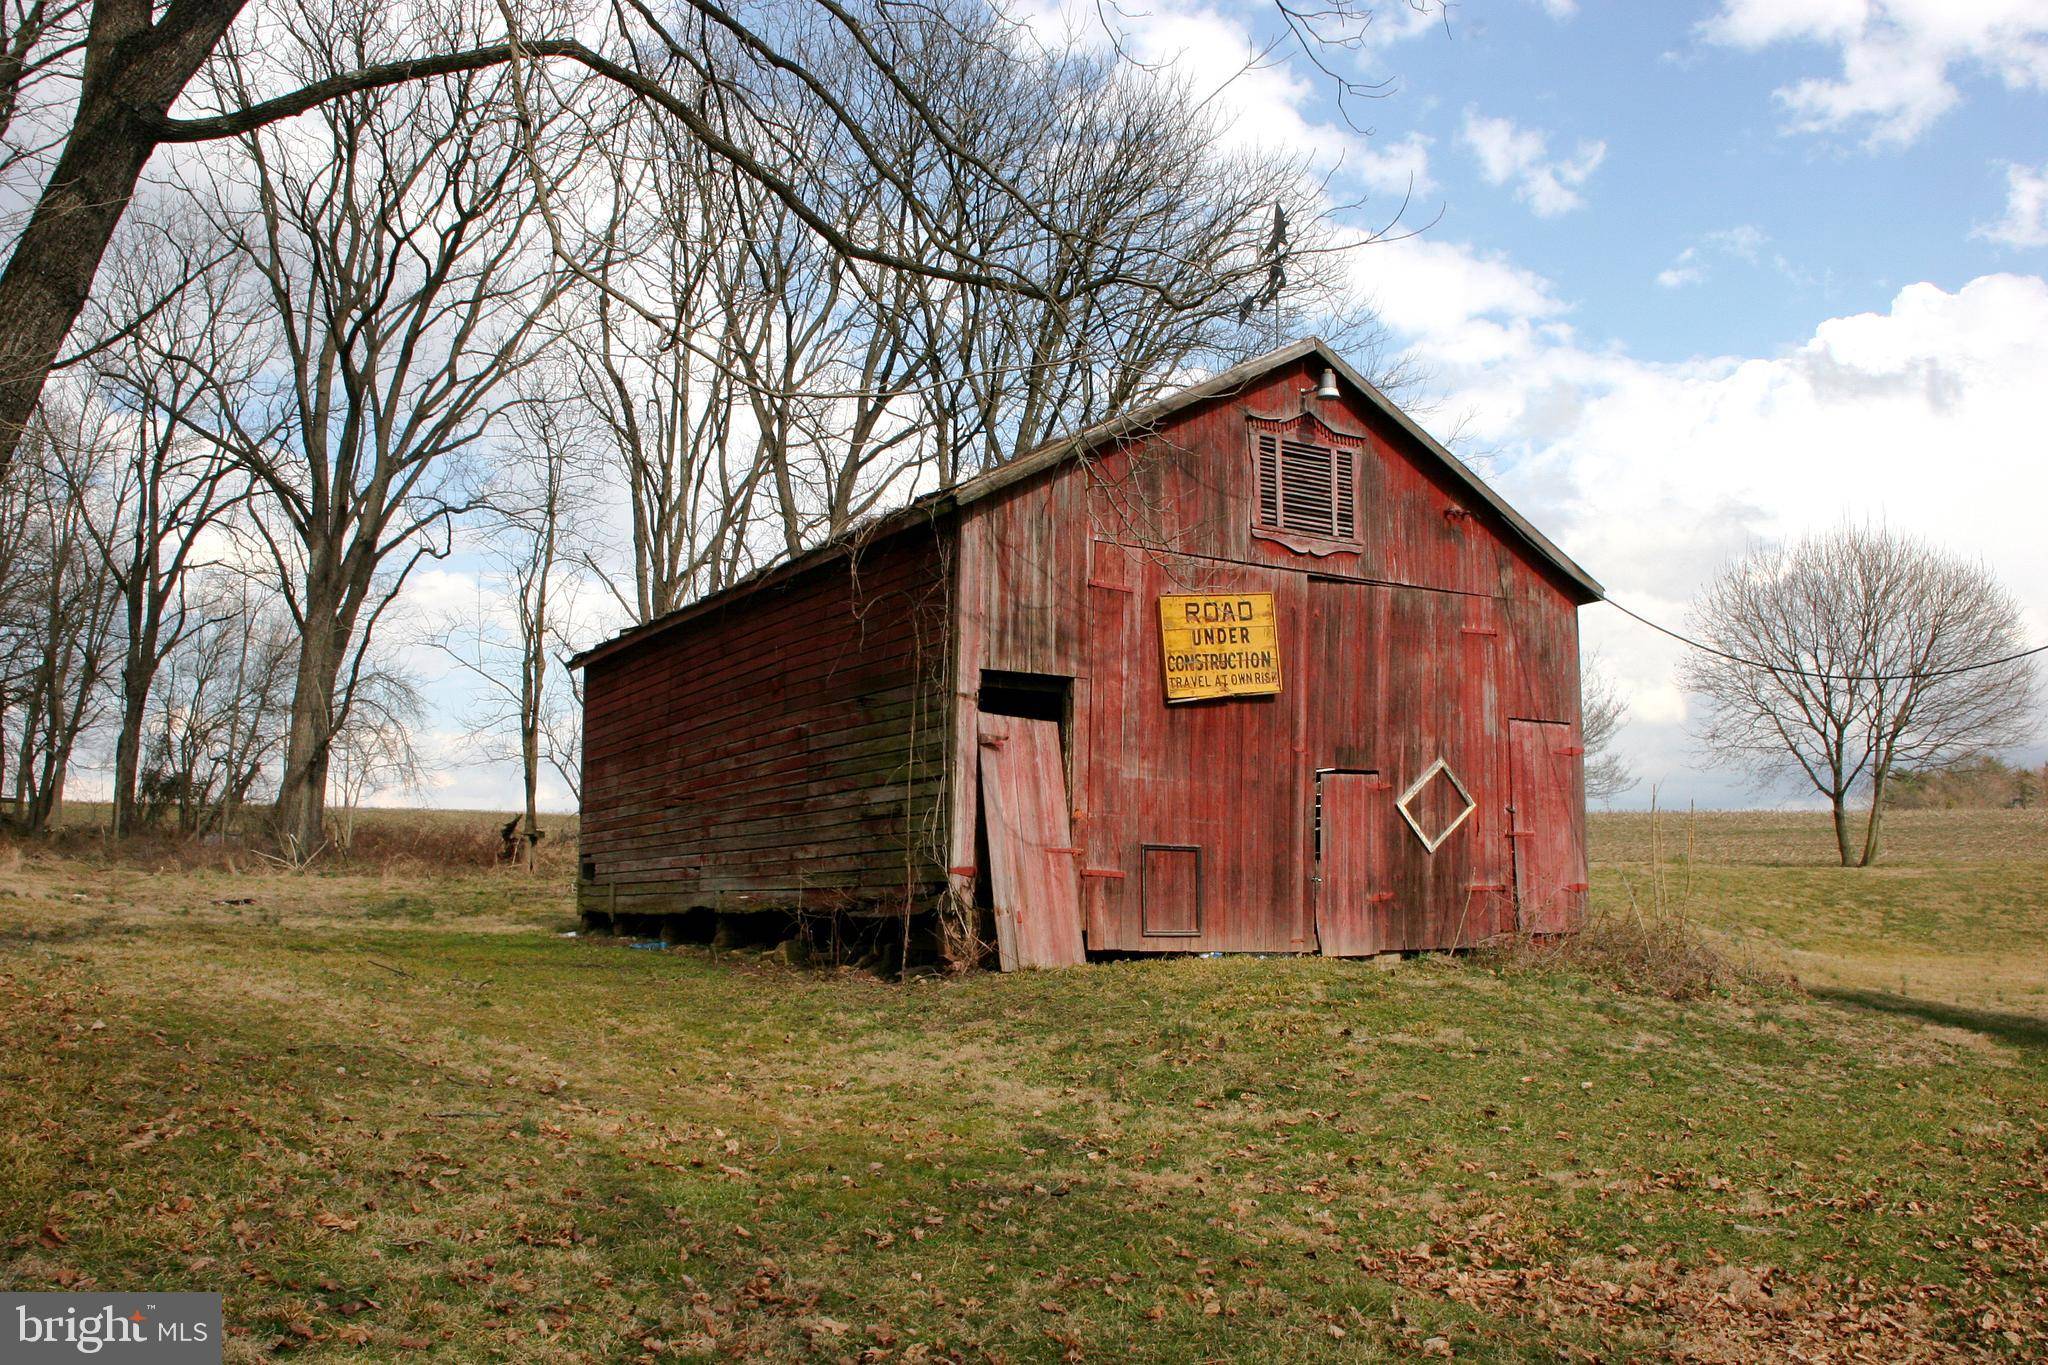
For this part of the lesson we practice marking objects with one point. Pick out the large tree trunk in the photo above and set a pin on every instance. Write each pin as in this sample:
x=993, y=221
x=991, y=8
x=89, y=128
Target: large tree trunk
x=530, y=754
x=135, y=682
x=1875, y=828
x=300, y=817
x=133, y=72
x=1840, y=802
x=138, y=671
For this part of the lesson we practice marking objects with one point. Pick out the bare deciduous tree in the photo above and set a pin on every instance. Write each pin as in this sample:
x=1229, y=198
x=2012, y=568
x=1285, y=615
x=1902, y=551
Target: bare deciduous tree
x=173, y=347
x=388, y=241
x=764, y=392
x=1857, y=652
x=121, y=66
x=219, y=707
x=508, y=646
x=1603, y=712
x=660, y=249
x=373, y=749
x=58, y=613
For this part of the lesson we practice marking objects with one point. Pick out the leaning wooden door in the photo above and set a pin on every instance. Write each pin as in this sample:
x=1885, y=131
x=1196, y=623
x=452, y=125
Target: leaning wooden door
x=1548, y=827
x=1032, y=874
x=1353, y=890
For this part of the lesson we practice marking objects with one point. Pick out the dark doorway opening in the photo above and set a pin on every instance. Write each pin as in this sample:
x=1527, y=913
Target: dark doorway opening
x=1034, y=696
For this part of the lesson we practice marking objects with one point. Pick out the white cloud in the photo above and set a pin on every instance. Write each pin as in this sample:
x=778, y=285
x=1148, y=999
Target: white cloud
x=1655, y=475
x=2025, y=223
x=1397, y=169
x=1509, y=153
x=1261, y=101
x=1687, y=269
x=1744, y=243
x=1898, y=57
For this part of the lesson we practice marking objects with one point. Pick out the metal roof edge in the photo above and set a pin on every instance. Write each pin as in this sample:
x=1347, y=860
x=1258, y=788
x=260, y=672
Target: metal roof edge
x=1539, y=542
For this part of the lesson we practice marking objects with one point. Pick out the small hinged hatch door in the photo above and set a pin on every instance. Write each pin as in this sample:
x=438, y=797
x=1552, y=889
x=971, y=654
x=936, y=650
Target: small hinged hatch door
x=1548, y=831
x=1353, y=895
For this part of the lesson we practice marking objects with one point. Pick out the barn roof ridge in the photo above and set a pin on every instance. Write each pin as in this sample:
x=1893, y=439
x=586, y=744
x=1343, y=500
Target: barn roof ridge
x=1057, y=451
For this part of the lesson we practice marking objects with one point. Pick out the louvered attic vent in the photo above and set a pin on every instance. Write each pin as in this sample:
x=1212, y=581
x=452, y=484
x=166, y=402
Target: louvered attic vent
x=1307, y=489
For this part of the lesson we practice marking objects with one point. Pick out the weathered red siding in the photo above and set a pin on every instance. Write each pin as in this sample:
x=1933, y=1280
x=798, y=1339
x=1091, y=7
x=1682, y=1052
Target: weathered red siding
x=786, y=747
x=1418, y=643
x=814, y=741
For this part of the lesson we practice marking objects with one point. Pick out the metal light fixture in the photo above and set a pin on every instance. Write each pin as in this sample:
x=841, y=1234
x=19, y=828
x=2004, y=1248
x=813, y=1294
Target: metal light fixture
x=1328, y=388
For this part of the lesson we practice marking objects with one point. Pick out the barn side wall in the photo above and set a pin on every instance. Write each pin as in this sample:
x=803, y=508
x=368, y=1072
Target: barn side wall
x=1422, y=642
x=785, y=750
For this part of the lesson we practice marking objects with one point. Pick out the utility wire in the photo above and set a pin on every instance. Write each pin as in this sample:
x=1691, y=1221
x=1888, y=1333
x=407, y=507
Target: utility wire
x=1790, y=670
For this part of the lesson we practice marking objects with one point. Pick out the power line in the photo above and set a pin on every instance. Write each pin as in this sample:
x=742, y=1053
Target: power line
x=1790, y=670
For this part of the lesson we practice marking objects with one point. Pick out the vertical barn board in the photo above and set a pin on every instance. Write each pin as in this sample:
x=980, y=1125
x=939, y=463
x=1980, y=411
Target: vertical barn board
x=1356, y=810
x=1031, y=855
x=1101, y=784
x=1550, y=852
x=963, y=760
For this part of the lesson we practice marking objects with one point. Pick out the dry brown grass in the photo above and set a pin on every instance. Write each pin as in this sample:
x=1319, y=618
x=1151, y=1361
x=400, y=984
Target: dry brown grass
x=393, y=842
x=1666, y=955
x=1805, y=838
x=1951, y=917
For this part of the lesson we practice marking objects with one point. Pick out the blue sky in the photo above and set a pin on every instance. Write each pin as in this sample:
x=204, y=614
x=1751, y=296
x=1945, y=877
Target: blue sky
x=1696, y=143
x=1690, y=279
x=1695, y=278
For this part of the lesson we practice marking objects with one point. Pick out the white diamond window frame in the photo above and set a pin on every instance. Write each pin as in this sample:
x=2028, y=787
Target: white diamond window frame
x=1415, y=789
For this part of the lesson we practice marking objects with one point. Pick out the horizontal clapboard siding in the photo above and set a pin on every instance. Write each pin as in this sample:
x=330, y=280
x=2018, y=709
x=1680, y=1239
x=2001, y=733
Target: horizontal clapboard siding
x=784, y=748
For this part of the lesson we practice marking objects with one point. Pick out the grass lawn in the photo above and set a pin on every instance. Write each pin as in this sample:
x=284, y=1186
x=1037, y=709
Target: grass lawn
x=400, y=1115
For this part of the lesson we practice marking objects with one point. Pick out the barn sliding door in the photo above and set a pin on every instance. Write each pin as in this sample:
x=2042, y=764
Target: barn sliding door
x=1549, y=826
x=1352, y=887
x=1032, y=874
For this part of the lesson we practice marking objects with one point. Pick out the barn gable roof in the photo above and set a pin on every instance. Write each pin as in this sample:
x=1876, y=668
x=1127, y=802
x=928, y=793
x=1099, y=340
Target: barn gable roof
x=1132, y=423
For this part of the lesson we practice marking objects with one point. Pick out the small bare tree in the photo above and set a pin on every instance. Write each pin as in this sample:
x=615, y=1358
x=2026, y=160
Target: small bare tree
x=373, y=750
x=57, y=626
x=507, y=646
x=171, y=336
x=1603, y=712
x=1852, y=653
x=218, y=707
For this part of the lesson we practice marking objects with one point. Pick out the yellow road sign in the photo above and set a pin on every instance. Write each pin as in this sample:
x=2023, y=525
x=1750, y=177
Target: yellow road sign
x=1219, y=645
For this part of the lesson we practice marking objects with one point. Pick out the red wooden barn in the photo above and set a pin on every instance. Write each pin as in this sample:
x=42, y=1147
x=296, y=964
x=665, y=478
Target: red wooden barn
x=1258, y=668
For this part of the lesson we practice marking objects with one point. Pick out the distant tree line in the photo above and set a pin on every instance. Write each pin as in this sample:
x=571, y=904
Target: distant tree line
x=1985, y=783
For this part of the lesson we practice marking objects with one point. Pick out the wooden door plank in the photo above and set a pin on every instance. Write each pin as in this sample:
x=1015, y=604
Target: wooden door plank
x=1550, y=857
x=1352, y=896
x=1032, y=874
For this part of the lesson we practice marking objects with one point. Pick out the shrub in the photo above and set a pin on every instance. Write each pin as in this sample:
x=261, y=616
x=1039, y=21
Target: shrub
x=1665, y=955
